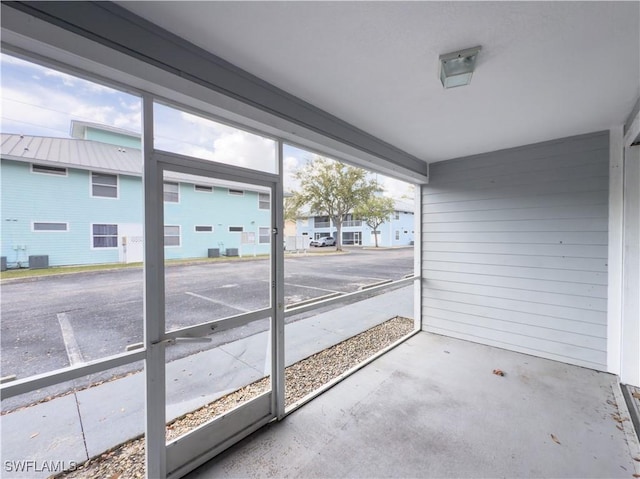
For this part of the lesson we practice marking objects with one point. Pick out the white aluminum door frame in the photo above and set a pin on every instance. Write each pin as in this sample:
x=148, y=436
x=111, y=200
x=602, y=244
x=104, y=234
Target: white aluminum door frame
x=189, y=451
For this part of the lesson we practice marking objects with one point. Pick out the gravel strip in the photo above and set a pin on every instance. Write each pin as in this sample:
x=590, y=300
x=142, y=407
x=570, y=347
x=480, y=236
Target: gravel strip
x=127, y=460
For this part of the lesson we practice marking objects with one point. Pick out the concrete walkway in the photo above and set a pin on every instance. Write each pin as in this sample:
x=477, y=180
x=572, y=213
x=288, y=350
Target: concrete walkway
x=432, y=408
x=49, y=437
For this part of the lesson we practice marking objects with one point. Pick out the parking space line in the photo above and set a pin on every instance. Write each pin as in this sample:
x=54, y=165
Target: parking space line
x=196, y=295
x=308, y=287
x=313, y=287
x=69, y=338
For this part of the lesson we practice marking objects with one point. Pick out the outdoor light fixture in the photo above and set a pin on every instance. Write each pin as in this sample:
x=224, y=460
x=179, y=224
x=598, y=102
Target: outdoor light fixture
x=456, y=68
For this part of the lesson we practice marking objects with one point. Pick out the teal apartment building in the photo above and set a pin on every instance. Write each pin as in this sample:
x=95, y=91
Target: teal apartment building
x=78, y=201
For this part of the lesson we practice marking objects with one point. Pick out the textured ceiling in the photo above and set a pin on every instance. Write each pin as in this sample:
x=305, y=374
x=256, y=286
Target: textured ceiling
x=546, y=69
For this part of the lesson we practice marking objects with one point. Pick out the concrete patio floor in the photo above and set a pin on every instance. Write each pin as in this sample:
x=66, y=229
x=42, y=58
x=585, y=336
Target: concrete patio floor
x=432, y=407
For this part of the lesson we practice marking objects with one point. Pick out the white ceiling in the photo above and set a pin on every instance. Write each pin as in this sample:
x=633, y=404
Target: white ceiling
x=546, y=69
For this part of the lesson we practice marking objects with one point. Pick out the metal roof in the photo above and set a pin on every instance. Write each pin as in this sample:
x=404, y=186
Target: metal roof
x=83, y=154
x=95, y=156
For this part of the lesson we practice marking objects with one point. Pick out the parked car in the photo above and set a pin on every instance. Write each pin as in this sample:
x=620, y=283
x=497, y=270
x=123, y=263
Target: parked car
x=326, y=241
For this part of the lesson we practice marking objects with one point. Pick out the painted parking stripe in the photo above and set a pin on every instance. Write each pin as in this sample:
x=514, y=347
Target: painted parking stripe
x=69, y=338
x=308, y=287
x=196, y=295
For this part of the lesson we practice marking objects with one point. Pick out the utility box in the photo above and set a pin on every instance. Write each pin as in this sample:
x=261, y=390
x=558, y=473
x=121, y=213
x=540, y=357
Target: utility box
x=232, y=251
x=213, y=252
x=39, y=262
x=3, y=263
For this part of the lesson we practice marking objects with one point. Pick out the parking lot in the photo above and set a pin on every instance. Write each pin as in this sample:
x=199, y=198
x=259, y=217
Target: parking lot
x=56, y=321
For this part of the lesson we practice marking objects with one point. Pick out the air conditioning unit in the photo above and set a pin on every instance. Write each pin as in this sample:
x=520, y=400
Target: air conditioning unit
x=39, y=262
x=214, y=252
x=232, y=251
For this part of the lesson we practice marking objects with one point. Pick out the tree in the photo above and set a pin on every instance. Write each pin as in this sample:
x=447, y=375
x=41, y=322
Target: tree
x=375, y=211
x=333, y=189
x=291, y=209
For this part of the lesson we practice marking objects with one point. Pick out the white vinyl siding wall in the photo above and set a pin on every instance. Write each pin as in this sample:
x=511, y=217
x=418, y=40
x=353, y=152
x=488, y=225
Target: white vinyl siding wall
x=515, y=249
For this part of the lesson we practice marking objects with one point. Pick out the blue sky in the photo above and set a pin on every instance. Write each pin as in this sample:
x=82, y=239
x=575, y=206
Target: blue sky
x=41, y=101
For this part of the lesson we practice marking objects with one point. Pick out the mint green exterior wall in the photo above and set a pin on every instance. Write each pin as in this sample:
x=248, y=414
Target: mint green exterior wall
x=28, y=197
x=112, y=138
x=220, y=210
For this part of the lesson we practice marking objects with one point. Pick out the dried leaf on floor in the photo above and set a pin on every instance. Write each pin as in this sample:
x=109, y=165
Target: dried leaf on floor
x=498, y=372
x=636, y=459
x=115, y=476
x=619, y=427
x=34, y=435
x=636, y=394
x=555, y=439
x=636, y=475
x=618, y=418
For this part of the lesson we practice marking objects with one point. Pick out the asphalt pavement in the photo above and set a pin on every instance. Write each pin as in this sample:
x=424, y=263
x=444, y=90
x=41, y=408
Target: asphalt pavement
x=74, y=427
x=52, y=322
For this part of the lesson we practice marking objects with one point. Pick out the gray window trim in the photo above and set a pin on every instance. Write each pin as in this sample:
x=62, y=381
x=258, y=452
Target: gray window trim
x=164, y=192
x=35, y=230
x=93, y=236
x=49, y=170
x=267, y=235
x=262, y=202
x=93, y=184
x=179, y=236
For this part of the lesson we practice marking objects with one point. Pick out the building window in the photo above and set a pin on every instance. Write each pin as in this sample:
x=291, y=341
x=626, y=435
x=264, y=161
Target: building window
x=171, y=192
x=397, y=215
x=236, y=192
x=204, y=229
x=48, y=170
x=42, y=226
x=264, y=235
x=104, y=185
x=264, y=201
x=236, y=229
x=321, y=221
x=172, y=235
x=105, y=236
x=203, y=188
x=397, y=235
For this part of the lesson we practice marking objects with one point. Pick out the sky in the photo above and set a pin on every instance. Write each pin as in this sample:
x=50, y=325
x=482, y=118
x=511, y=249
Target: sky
x=40, y=101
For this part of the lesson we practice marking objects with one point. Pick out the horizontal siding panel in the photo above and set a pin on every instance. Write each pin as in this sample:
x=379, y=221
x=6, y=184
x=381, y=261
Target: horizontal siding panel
x=517, y=317
x=517, y=305
x=599, y=304
x=530, y=332
x=520, y=188
x=559, y=250
x=519, y=199
x=514, y=249
x=547, y=274
x=530, y=285
x=600, y=210
x=579, y=224
x=527, y=261
x=520, y=237
x=566, y=147
x=528, y=342
x=507, y=176
x=596, y=360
